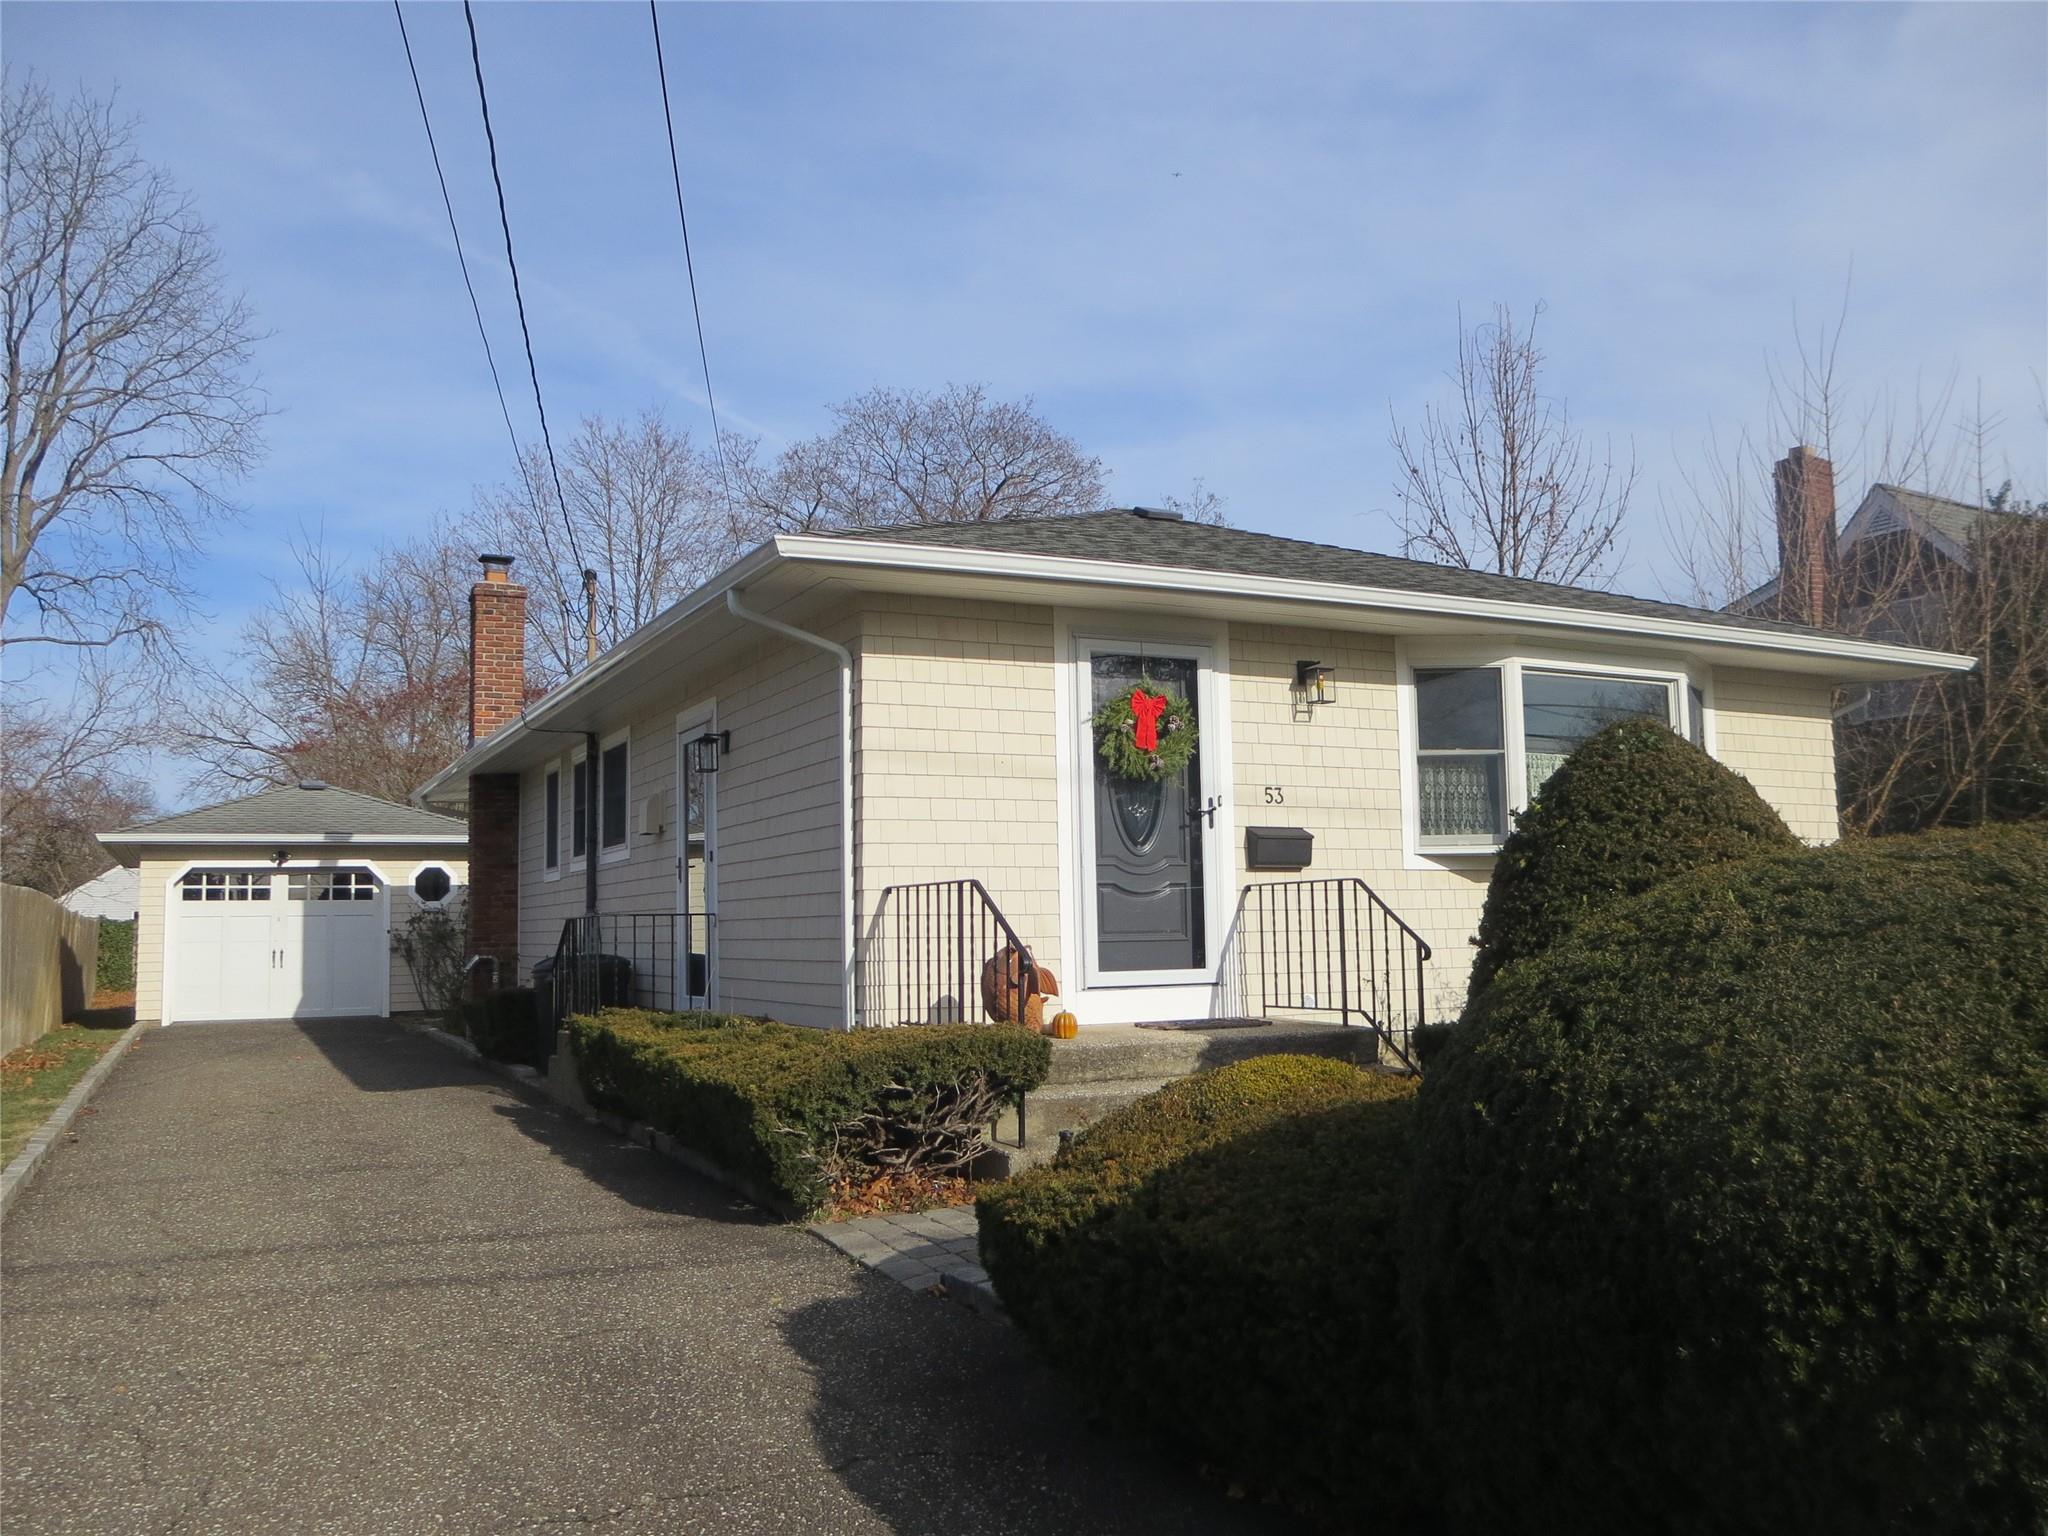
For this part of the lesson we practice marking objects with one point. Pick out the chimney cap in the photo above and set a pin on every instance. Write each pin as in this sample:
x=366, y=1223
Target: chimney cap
x=503, y=562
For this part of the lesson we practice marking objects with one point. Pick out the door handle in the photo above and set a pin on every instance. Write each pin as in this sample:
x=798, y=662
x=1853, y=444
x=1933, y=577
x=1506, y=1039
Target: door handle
x=1206, y=813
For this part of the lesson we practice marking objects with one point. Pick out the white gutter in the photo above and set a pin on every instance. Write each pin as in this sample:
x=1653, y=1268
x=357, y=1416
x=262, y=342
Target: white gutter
x=845, y=660
x=870, y=553
x=532, y=718
x=288, y=839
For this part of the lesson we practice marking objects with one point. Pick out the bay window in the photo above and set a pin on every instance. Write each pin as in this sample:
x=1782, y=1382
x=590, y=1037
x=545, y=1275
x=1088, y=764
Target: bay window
x=1488, y=737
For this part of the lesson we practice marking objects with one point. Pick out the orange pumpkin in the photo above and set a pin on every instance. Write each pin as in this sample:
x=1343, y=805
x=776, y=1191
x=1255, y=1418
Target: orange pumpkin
x=1064, y=1026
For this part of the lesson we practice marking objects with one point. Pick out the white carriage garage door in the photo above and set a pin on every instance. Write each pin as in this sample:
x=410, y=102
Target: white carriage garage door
x=275, y=944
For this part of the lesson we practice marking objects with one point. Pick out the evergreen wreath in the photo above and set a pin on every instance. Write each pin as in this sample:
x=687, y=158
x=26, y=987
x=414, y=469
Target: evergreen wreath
x=1155, y=741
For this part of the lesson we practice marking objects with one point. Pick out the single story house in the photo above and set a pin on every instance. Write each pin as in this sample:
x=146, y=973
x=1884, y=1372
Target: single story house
x=112, y=895
x=285, y=904
x=839, y=778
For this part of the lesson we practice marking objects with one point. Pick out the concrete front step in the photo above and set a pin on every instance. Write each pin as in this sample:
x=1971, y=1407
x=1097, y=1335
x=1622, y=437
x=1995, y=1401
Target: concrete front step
x=1127, y=1053
x=1104, y=1068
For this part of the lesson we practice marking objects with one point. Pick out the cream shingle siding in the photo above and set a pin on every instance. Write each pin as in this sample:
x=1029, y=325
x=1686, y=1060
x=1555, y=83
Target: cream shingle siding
x=395, y=865
x=1777, y=730
x=1338, y=766
x=955, y=771
x=777, y=836
x=956, y=776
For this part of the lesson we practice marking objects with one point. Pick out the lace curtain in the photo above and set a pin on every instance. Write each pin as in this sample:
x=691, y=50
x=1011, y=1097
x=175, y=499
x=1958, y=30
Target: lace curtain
x=1461, y=798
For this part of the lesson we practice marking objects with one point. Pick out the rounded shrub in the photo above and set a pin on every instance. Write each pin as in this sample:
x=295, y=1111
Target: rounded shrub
x=1218, y=1263
x=1730, y=1211
x=1634, y=805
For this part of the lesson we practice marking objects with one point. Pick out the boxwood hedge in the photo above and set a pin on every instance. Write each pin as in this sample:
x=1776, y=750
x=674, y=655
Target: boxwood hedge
x=766, y=1101
x=1635, y=804
x=1730, y=1211
x=1217, y=1262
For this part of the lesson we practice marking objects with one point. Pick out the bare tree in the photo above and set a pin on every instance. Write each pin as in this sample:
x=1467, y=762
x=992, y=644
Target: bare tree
x=360, y=679
x=640, y=509
x=1500, y=480
x=63, y=778
x=1201, y=505
x=1720, y=525
x=128, y=392
x=1957, y=749
x=900, y=456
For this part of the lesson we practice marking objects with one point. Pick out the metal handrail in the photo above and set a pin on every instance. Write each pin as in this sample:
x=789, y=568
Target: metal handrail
x=1329, y=946
x=922, y=956
x=658, y=960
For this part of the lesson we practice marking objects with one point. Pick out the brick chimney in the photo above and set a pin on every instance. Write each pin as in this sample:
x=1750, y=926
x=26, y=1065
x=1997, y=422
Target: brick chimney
x=497, y=648
x=497, y=692
x=1804, y=484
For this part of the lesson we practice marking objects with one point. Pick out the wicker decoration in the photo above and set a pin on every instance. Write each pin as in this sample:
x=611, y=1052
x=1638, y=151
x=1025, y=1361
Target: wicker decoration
x=1002, y=990
x=1147, y=733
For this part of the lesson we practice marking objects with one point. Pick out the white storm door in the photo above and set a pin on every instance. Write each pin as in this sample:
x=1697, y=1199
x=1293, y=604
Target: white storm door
x=696, y=982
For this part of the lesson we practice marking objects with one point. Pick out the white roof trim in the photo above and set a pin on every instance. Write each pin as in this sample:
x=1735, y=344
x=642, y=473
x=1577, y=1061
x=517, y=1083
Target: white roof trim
x=863, y=552
x=287, y=839
x=883, y=554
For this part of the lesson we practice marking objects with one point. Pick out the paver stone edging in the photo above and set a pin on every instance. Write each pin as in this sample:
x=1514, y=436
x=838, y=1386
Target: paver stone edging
x=30, y=1157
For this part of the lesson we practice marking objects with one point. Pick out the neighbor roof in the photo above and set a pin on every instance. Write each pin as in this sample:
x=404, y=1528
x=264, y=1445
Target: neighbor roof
x=306, y=812
x=1134, y=537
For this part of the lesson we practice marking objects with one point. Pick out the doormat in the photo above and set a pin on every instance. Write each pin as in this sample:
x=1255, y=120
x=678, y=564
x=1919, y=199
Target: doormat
x=1206, y=1024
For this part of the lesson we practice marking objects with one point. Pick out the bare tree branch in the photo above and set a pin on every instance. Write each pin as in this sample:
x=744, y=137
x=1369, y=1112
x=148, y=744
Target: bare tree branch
x=1500, y=480
x=128, y=393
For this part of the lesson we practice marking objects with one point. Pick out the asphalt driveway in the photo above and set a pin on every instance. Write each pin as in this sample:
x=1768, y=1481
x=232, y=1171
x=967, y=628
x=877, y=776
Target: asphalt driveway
x=330, y=1278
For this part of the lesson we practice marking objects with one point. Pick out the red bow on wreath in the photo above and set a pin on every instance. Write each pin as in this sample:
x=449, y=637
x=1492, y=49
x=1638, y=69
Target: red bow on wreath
x=1146, y=708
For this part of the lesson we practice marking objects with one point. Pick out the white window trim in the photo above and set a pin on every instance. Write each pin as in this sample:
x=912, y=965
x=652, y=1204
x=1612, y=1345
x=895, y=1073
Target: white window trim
x=1512, y=661
x=575, y=861
x=551, y=869
x=619, y=852
x=1127, y=996
x=455, y=887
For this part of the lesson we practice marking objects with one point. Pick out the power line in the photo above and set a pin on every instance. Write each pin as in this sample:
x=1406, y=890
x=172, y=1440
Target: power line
x=518, y=298
x=689, y=266
x=448, y=203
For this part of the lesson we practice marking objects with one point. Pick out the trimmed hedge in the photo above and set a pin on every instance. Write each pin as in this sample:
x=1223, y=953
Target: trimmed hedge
x=1730, y=1212
x=1218, y=1262
x=767, y=1101
x=116, y=966
x=503, y=1025
x=1634, y=805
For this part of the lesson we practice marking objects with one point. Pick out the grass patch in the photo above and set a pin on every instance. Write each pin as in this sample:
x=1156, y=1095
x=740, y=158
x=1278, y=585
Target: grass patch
x=35, y=1078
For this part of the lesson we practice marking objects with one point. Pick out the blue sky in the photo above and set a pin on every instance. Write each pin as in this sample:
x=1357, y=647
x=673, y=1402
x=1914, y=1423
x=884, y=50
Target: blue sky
x=912, y=194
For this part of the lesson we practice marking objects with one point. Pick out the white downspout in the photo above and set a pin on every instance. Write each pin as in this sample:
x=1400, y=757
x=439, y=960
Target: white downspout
x=845, y=659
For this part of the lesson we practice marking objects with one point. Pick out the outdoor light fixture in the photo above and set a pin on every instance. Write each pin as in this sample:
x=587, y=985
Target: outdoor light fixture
x=280, y=857
x=1316, y=683
x=706, y=750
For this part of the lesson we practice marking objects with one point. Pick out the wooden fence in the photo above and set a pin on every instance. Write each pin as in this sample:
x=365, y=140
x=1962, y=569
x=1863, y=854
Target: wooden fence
x=48, y=960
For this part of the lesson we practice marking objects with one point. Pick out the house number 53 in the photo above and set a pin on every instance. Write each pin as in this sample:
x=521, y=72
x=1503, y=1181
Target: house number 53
x=1275, y=795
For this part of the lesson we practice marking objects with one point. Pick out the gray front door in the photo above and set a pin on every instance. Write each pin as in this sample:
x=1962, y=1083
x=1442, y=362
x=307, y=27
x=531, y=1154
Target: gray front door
x=1148, y=838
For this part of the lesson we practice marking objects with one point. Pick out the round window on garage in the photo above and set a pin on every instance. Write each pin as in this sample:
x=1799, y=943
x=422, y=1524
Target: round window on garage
x=430, y=887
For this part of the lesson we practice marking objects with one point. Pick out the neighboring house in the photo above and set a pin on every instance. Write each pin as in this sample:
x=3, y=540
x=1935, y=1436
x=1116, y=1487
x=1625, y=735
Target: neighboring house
x=112, y=895
x=1883, y=575
x=283, y=904
x=769, y=799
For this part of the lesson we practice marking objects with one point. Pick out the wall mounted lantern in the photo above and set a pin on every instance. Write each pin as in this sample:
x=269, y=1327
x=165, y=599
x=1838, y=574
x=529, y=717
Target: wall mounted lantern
x=1314, y=682
x=706, y=750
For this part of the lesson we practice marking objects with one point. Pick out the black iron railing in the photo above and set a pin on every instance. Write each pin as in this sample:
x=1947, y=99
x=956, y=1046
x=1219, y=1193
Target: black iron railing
x=1327, y=947
x=656, y=960
x=924, y=957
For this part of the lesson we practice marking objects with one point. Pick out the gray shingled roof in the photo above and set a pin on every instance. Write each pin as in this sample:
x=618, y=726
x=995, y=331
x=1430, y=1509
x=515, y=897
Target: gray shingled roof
x=300, y=810
x=1127, y=537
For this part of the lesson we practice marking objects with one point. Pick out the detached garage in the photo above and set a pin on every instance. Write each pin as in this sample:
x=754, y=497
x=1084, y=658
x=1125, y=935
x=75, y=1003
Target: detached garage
x=284, y=904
